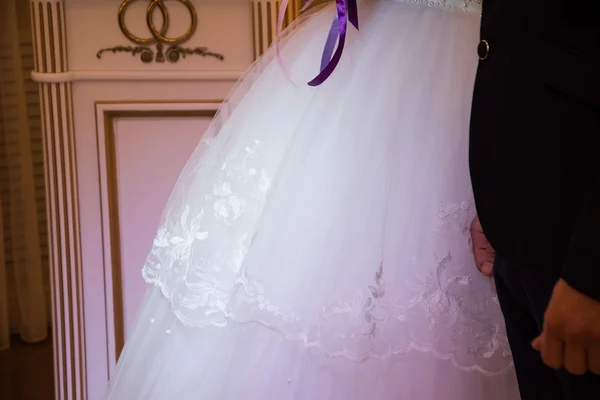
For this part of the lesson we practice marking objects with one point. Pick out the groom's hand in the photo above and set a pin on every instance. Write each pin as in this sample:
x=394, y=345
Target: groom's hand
x=482, y=250
x=571, y=335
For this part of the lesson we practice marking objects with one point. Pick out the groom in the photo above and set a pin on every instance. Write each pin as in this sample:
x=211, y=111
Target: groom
x=535, y=167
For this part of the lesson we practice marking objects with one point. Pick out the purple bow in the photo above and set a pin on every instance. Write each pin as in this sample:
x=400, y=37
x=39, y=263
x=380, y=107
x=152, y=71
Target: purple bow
x=347, y=10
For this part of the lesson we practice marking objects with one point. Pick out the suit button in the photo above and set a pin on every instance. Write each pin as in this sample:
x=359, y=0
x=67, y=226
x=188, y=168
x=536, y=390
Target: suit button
x=483, y=49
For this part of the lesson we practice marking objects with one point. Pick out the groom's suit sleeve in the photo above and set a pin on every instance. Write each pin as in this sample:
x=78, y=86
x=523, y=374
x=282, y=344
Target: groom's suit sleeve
x=582, y=265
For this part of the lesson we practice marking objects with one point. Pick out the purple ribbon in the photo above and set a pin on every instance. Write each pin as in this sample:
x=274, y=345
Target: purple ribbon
x=332, y=37
x=347, y=11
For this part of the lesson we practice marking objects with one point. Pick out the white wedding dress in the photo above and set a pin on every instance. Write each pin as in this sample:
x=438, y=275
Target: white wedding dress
x=316, y=245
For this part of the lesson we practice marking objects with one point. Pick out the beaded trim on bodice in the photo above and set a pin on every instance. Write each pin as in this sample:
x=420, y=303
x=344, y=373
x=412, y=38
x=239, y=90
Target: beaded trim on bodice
x=452, y=5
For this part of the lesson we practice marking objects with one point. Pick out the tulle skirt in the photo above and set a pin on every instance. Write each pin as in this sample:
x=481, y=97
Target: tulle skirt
x=316, y=245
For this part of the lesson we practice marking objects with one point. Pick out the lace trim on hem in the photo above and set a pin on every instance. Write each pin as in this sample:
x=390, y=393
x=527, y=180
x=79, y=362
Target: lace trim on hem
x=412, y=346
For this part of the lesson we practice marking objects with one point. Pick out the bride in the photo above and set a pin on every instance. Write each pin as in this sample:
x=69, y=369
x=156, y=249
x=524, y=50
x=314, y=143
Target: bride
x=316, y=245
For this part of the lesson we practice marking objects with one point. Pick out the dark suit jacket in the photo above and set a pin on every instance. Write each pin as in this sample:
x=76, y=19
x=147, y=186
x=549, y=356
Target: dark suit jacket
x=535, y=136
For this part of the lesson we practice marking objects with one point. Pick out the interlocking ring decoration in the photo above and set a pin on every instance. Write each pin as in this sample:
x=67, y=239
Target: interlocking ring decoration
x=159, y=35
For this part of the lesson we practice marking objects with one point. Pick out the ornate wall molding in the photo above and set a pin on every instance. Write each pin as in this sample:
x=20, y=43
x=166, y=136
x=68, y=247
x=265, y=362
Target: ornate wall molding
x=133, y=76
x=50, y=53
x=159, y=36
x=264, y=22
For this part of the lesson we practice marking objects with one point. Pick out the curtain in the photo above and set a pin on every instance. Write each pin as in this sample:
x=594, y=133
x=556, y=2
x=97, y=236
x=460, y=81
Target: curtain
x=24, y=282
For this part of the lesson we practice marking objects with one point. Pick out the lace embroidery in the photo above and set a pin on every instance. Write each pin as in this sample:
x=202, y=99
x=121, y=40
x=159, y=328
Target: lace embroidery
x=214, y=286
x=455, y=216
x=252, y=292
x=440, y=297
x=377, y=292
x=440, y=294
x=180, y=242
x=194, y=283
x=229, y=206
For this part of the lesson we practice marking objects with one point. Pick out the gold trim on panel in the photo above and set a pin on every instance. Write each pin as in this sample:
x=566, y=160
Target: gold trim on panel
x=53, y=164
x=61, y=50
x=254, y=47
x=67, y=179
x=51, y=37
x=64, y=212
x=114, y=233
x=270, y=17
x=36, y=57
x=137, y=76
x=116, y=268
x=158, y=102
x=62, y=201
x=77, y=272
x=43, y=64
x=260, y=38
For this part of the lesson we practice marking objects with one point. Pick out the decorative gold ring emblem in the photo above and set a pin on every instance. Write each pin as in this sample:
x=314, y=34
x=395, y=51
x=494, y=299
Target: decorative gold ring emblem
x=165, y=48
x=158, y=35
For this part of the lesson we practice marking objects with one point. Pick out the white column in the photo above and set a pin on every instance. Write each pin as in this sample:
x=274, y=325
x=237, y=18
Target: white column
x=50, y=49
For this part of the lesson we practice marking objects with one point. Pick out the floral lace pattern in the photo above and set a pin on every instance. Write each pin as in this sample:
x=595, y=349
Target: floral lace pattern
x=177, y=263
x=229, y=205
x=455, y=216
x=458, y=328
x=197, y=260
